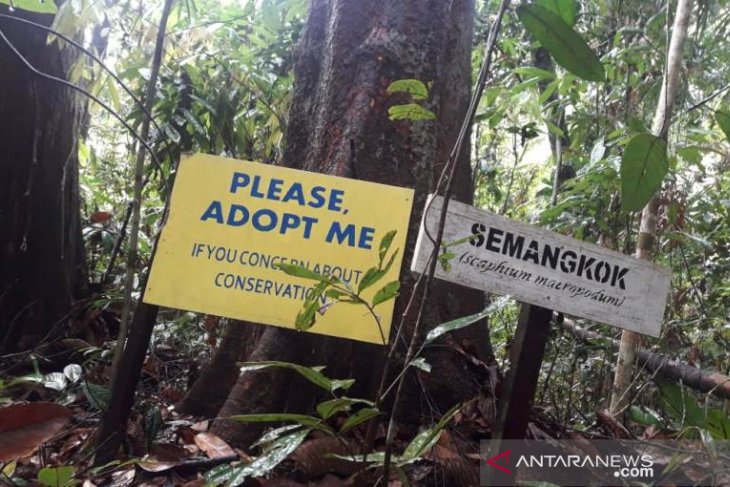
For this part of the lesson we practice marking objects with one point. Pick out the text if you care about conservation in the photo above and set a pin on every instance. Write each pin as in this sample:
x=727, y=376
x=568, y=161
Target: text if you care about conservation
x=231, y=223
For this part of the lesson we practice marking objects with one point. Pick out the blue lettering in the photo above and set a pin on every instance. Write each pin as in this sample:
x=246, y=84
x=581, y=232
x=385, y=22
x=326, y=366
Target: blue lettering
x=366, y=238
x=318, y=197
x=335, y=200
x=240, y=180
x=232, y=221
x=264, y=213
x=337, y=232
x=214, y=211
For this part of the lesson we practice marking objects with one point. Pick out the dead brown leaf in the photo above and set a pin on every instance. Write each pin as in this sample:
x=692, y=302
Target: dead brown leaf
x=213, y=446
x=24, y=427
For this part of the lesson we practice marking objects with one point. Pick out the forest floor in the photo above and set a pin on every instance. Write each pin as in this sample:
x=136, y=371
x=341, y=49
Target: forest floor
x=53, y=407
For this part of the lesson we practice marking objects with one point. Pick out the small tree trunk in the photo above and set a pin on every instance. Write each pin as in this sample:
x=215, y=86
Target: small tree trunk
x=631, y=341
x=349, y=53
x=41, y=251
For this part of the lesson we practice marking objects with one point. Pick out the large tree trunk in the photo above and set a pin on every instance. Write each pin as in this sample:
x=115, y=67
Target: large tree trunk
x=349, y=53
x=41, y=252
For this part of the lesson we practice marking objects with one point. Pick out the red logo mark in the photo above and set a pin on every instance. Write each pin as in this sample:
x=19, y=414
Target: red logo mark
x=492, y=462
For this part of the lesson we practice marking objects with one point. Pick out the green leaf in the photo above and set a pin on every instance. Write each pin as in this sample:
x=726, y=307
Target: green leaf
x=598, y=151
x=358, y=418
x=307, y=316
x=327, y=409
x=385, y=243
x=274, y=434
x=98, y=396
x=718, y=423
x=566, y=9
x=427, y=438
x=302, y=419
x=643, y=416
x=410, y=111
x=312, y=374
x=299, y=271
x=37, y=6
x=113, y=93
x=533, y=72
x=370, y=277
x=643, y=167
x=416, y=88
x=278, y=451
x=680, y=404
x=464, y=321
x=567, y=48
x=420, y=363
x=56, y=476
x=723, y=120
x=387, y=292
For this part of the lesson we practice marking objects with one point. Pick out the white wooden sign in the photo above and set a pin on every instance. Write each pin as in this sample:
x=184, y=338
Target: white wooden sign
x=544, y=268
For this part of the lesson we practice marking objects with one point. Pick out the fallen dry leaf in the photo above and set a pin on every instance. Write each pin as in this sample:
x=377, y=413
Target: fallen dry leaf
x=213, y=446
x=24, y=427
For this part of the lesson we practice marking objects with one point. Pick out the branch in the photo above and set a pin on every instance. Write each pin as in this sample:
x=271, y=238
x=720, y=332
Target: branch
x=137, y=199
x=699, y=379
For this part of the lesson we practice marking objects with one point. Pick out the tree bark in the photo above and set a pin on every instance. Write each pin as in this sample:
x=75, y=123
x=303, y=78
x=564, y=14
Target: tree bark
x=349, y=53
x=41, y=251
x=631, y=341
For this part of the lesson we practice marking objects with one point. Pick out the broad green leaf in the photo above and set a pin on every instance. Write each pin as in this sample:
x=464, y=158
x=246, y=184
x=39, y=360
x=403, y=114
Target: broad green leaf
x=464, y=321
x=237, y=473
x=681, y=405
x=643, y=167
x=598, y=151
x=566, y=9
x=427, y=438
x=564, y=44
x=312, y=374
x=718, y=423
x=56, y=476
x=410, y=111
x=416, y=88
x=307, y=315
x=300, y=271
x=387, y=292
x=302, y=419
x=73, y=372
x=335, y=294
x=385, y=243
x=643, y=416
x=327, y=409
x=420, y=363
x=533, y=72
x=358, y=418
x=723, y=120
x=548, y=91
x=274, y=434
x=37, y=6
x=171, y=133
x=113, y=93
x=370, y=277
x=55, y=380
x=98, y=396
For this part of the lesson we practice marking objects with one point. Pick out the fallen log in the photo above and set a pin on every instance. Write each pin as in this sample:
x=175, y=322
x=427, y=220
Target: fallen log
x=701, y=380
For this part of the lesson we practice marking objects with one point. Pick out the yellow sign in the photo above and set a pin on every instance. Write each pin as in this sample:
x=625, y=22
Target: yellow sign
x=231, y=223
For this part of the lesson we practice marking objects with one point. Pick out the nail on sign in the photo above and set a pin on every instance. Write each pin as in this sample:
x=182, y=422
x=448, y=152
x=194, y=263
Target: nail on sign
x=544, y=268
